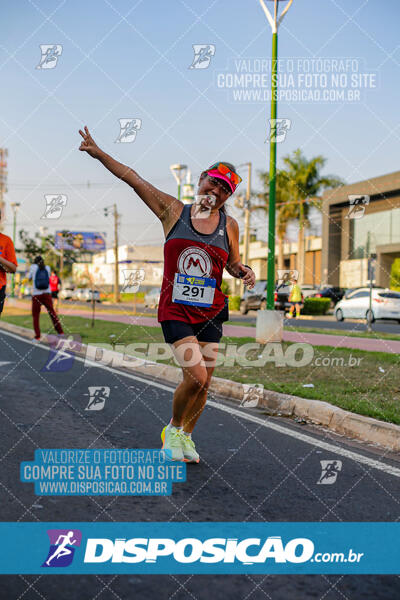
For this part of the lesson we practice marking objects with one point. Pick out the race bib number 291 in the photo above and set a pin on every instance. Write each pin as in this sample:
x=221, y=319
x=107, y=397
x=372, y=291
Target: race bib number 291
x=196, y=291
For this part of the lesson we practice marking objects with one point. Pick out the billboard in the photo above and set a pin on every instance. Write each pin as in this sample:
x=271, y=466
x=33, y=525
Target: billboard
x=92, y=241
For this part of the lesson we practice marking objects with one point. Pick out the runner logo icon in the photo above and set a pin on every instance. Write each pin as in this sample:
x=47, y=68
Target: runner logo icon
x=97, y=397
x=128, y=130
x=330, y=470
x=55, y=203
x=62, y=353
x=202, y=55
x=50, y=55
x=62, y=547
x=253, y=394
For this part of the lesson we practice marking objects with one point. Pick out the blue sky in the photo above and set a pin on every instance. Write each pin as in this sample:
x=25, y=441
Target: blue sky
x=130, y=59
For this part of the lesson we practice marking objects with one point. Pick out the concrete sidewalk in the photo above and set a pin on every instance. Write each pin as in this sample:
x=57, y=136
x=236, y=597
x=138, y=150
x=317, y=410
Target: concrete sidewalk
x=232, y=331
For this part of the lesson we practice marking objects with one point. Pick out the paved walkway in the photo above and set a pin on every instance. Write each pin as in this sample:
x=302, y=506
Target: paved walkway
x=316, y=339
x=232, y=331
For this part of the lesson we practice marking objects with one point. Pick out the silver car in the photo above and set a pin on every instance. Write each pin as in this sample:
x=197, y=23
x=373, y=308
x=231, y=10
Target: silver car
x=86, y=295
x=152, y=298
x=385, y=305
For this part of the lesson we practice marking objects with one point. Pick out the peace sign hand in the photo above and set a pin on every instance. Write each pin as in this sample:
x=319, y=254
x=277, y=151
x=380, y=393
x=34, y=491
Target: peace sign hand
x=88, y=144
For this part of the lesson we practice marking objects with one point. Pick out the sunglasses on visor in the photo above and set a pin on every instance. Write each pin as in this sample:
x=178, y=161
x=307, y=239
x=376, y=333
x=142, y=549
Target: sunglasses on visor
x=225, y=170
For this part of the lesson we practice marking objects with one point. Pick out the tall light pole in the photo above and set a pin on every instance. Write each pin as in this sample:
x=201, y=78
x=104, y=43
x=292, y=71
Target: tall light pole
x=15, y=206
x=107, y=211
x=178, y=171
x=188, y=189
x=274, y=21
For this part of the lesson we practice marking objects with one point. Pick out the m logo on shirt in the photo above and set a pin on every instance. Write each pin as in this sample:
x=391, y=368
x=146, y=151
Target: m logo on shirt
x=195, y=261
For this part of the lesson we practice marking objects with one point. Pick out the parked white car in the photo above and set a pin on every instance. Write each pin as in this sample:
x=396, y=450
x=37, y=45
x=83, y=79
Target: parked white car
x=86, y=295
x=76, y=294
x=152, y=298
x=66, y=293
x=308, y=290
x=385, y=305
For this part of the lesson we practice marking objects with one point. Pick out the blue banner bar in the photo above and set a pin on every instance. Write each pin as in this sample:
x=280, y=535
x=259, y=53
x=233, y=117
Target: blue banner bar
x=200, y=548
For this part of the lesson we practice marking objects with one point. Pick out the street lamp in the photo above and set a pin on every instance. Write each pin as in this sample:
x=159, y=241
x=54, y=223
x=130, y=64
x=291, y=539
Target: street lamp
x=188, y=189
x=15, y=206
x=178, y=171
x=274, y=21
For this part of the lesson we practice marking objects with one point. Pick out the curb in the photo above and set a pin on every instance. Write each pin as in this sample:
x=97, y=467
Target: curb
x=317, y=412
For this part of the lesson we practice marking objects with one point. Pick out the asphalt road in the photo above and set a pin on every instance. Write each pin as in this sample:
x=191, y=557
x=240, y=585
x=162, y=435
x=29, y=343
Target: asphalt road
x=253, y=468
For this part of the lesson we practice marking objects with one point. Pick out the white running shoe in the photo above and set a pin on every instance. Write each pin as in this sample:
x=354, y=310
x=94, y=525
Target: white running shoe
x=172, y=440
x=189, y=449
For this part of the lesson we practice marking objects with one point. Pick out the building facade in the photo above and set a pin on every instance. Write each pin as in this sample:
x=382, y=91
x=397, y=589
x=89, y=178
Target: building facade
x=258, y=252
x=131, y=257
x=360, y=220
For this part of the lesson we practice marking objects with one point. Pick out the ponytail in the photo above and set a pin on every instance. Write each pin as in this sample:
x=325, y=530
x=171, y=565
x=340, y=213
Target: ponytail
x=39, y=262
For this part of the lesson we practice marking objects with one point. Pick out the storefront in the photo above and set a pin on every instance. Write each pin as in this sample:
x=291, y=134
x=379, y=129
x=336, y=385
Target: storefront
x=360, y=220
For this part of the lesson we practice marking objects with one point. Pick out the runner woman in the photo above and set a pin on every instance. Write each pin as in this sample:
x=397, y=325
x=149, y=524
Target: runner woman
x=201, y=240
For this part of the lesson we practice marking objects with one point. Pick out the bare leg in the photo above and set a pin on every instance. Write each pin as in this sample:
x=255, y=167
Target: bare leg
x=195, y=408
x=188, y=353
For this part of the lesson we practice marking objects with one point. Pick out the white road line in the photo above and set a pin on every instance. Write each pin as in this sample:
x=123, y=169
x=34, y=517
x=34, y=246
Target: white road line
x=370, y=462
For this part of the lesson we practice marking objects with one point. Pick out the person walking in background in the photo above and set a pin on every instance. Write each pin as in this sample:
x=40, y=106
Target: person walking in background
x=295, y=298
x=39, y=274
x=8, y=264
x=55, y=286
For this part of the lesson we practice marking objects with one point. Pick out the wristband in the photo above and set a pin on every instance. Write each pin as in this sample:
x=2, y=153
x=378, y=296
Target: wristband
x=243, y=274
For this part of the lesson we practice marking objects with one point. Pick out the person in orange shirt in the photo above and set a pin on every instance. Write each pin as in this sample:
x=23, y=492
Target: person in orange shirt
x=8, y=264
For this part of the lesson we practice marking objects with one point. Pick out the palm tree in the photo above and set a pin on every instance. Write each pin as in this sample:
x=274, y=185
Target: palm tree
x=285, y=209
x=303, y=184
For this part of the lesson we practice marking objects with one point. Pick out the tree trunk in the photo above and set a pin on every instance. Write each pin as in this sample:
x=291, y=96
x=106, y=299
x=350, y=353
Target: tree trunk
x=300, y=246
x=281, y=265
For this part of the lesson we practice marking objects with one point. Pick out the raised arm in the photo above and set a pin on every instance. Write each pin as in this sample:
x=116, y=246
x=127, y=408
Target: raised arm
x=165, y=207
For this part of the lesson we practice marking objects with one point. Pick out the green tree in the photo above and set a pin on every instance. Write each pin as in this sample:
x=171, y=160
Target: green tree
x=285, y=211
x=37, y=244
x=304, y=183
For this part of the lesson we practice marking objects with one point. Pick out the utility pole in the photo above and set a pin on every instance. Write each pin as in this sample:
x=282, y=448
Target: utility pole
x=116, y=272
x=371, y=276
x=61, y=261
x=107, y=212
x=3, y=181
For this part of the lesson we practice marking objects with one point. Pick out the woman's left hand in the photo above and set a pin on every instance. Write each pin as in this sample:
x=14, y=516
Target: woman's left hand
x=249, y=277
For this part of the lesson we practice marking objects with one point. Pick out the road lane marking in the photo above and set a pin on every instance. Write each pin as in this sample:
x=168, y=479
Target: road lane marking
x=370, y=462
